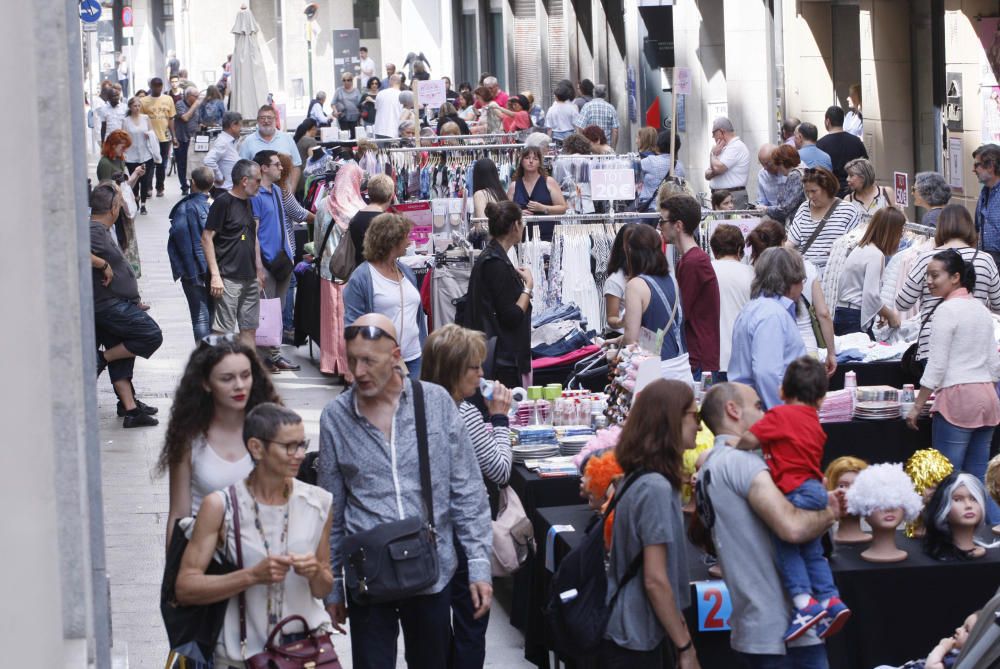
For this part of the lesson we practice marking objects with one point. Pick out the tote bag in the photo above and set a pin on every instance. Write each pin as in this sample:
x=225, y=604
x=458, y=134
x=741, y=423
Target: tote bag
x=269, y=328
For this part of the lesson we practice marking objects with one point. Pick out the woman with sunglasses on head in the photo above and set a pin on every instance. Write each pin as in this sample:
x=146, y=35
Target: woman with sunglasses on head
x=204, y=449
x=282, y=546
x=646, y=627
x=346, y=102
x=822, y=219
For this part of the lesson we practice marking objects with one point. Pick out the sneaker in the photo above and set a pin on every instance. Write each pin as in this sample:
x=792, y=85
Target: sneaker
x=803, y=619
x=285, y=365
x=137, y=418
x=837, y=614
x=102, y=362
x=270, y=366
x=142, y=210
x=142, y=406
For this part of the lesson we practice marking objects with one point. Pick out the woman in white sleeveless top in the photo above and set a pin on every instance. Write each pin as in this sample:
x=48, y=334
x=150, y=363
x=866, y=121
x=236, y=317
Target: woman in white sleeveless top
x=204, y=449
x=284, y=538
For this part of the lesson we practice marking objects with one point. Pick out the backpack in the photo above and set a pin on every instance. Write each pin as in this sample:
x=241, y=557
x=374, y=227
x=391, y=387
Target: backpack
x=578, y=607
x=342, y=260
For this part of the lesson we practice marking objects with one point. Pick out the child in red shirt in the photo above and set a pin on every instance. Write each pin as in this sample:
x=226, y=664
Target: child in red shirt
x=792, y=440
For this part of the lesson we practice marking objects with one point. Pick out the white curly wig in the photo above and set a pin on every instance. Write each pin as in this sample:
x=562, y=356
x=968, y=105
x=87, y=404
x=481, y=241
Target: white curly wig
x=883, y=486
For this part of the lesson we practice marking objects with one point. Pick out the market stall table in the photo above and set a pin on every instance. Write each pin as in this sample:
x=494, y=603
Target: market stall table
x=884, y=373
x=900, y=610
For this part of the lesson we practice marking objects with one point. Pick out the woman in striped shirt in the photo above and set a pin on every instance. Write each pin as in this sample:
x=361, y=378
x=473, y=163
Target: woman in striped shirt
x=955, y=230
x=822, y=211
x=453, y=358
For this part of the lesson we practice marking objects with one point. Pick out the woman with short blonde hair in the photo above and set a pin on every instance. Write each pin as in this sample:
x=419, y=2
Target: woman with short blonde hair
x=383, y=285
x=381, y=191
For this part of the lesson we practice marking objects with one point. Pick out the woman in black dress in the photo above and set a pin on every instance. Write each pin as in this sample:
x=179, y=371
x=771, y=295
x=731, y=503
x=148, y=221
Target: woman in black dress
x=535, y=191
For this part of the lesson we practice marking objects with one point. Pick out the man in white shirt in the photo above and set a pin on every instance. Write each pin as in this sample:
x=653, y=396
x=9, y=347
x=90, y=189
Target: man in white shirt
x=113, y=113
x=729, y=162
x=768, y=180
x=388, y=110
x=368, y=68
x=223, y=155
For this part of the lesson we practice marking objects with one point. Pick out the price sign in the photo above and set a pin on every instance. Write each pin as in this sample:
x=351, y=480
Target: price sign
x=421, y=216
x=902, y=181
x=744, y=224
x=714, y=606
x=612, y=184
x=432, y=92
x=682, y=80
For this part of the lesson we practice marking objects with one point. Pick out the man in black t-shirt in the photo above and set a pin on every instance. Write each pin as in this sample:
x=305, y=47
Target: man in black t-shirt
x=843, y=147
x=122, y=328
x=232, y=252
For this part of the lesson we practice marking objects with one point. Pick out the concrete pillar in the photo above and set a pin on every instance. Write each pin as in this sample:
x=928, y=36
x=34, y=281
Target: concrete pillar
x=808, y=60
x=750, y=78
x=53, y=580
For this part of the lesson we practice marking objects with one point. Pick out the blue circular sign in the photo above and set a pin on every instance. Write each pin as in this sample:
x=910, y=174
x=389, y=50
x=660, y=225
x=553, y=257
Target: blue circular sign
x=90, y=11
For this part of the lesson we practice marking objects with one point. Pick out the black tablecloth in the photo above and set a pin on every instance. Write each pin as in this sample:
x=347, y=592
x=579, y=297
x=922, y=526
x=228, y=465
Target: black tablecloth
x=899, y=610
x=535, y=492
x=875, y=440
x=888, y=373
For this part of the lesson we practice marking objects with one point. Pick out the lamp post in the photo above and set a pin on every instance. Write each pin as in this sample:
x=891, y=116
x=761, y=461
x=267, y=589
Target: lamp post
x=310, y=12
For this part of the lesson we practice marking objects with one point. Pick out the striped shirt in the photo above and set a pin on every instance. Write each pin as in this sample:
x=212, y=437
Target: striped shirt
x=490, y=442
x=843, y=219
x=914, y=290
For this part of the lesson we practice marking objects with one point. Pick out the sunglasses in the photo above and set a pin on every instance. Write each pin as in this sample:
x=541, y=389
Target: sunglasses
x=219, y=339
x=367, y=332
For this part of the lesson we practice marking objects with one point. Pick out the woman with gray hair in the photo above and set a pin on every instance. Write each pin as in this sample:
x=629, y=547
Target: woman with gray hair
x=765, y=336
x=864, y=193
x=931, y=192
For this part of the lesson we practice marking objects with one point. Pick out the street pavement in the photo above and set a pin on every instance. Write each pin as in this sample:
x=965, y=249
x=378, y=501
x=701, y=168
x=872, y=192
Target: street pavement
x=136, y=496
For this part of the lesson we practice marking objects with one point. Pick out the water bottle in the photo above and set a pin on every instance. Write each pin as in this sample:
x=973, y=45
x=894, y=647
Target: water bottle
x=906, y=400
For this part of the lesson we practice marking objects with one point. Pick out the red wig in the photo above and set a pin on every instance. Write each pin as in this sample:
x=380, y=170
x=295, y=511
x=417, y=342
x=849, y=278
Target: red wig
x=114, y=138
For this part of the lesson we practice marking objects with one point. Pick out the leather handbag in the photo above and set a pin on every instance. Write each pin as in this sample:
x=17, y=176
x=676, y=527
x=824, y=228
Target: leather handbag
x=314, y=651
x=342, y=263
x=398, y=559
x=281, y=267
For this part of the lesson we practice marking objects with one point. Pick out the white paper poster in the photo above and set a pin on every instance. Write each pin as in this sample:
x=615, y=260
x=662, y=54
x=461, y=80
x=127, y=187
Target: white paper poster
x=955, y=163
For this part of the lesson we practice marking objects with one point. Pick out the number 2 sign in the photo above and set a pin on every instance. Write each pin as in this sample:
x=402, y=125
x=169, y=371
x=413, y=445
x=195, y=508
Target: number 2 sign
x=714, y=606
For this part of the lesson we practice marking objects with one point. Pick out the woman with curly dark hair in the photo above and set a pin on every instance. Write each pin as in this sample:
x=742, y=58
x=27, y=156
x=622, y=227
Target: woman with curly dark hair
x=646, y=626
x=204, y=449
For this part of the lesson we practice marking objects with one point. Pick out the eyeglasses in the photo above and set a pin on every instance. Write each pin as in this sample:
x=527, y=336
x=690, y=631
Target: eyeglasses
x=367, y=332
x=977, y=166
x=293, y=447
x=219, y=339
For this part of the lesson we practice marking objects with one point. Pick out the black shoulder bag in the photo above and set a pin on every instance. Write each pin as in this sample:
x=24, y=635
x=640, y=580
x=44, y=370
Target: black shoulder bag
x=398, y=559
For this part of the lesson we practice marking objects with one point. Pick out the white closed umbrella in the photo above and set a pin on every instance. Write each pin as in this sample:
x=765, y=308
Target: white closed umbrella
x=248, y=82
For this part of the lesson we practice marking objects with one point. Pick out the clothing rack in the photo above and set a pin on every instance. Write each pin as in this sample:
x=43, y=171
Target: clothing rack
x=471, y=147
x=609, y=217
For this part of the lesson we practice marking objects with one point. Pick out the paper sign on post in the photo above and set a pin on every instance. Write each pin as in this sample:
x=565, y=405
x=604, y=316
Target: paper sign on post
x=612, y=184
x=682, y=81
x=902, y=181
x=714, y=606
x=432, y=92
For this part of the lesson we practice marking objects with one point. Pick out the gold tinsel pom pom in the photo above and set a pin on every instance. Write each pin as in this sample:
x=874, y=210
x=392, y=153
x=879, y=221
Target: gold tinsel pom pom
x=926, y=468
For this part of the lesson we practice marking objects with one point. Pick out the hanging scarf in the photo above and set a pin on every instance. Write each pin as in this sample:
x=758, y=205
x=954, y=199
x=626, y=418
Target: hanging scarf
x=344, y=199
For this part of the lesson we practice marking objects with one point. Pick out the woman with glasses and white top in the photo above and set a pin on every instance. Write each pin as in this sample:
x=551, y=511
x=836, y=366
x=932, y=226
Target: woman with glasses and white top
x=283, y=543
x=204, y=449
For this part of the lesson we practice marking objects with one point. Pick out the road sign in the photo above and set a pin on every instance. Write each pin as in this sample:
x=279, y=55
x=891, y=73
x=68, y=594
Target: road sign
x=90, y=11
x=126, y=17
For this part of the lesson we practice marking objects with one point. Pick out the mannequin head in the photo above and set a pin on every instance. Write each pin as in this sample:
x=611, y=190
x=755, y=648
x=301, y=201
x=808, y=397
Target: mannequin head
x=993, y=479
x=885, y=519
x=952, y=516
x=840, y=473
x=883, y=487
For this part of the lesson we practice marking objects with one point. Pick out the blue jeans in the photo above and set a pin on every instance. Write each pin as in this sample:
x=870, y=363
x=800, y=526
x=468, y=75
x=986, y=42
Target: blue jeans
x=968, y=450
x=414, y=368
x=802, y=567
x=288, y=311
x=426, y=632
x=201, y=307
x=799, y=657
x=468, y=639
x=123, y=322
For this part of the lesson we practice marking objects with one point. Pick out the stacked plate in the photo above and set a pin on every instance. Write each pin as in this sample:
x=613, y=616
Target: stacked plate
x=571, y=445
x=534, y=452
x=876, y=410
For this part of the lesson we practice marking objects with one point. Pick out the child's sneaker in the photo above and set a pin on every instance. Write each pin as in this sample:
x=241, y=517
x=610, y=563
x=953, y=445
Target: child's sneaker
x=837, y=614
x=805, y=618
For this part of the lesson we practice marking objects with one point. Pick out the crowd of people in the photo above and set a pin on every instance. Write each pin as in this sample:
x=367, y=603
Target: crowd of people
x=411, y=449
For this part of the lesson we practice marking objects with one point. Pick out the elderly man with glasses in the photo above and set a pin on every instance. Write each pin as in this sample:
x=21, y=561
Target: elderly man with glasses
x=267, y=136
x=369, y=461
